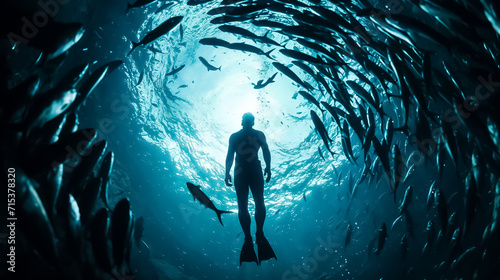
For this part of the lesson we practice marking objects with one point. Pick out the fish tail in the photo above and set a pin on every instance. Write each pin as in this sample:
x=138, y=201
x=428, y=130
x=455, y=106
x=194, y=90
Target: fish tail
x=219, y=213
x=268, y=54
x=219, y=67
x=134, y=45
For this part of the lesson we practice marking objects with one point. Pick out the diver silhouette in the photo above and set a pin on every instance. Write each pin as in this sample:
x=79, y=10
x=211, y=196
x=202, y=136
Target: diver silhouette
x=248, y=175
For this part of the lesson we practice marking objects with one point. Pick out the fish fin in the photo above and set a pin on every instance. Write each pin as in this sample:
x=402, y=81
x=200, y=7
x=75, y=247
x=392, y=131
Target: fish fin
x=219, y=213
x=134, y=45
x=268, y=54
x=128, y=8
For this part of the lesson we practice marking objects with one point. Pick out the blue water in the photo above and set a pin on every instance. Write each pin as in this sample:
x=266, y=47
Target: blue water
x=167, y=131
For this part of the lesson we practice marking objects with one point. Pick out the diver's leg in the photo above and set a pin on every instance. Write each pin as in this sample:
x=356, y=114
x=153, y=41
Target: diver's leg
x=243, y=215
x=257, y=188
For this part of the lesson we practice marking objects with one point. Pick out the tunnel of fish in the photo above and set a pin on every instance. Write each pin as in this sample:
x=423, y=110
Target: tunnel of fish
x=380, y=117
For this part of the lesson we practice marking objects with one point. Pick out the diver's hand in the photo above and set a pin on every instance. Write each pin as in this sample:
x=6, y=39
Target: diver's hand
x=267, y=172
x=228, y=180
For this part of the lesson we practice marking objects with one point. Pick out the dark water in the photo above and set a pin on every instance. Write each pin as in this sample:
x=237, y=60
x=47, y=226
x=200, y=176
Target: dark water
x=168, y=130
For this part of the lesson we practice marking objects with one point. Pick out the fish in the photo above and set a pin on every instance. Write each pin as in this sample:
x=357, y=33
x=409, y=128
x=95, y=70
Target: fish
x=175, y=70
x=403, y=208
x=301, y=56
x=290, y=74
x=199, y=195
x=88, y=86
x=208, y=65
x=58, y=152
x=216, y=42
x=261, y=84
x=141, y=77
x=311, y=99
x=121, y=224
x=104, y=173
x=471, y=202
x=320, y=127
x=159, y=31
x=238, y=31
x=227, y=19
x=85, y=167
x=430, y=196
x=382, y=236
x=55, y=101
x=442, y=208
x=249, y=48
x=99, y=232
x=55, y=38
x=88, y=197
x=138, y=4
x=346, y=142
x=333, y=112
x=431, y=233
x=36, y=225
x=181, y=32
x=348, y=235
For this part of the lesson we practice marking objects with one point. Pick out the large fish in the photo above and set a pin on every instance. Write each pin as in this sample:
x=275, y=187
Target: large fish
x=159, y=31
x=203, y=199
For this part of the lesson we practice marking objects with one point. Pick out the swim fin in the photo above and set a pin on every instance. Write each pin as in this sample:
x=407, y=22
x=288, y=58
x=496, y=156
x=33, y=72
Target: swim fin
x=247, y=252
x=264, y=248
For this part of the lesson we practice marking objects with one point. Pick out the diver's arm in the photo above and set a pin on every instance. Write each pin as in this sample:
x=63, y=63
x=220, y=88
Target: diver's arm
x=229, y=161
x=267, y=157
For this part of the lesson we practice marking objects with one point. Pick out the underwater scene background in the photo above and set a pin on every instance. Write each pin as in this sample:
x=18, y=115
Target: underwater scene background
x=108, y=111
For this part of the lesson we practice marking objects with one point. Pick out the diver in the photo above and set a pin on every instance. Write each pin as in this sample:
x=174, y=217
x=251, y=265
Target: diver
x=248, y=175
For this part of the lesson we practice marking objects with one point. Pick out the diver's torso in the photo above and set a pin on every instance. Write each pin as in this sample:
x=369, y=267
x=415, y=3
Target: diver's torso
x=247, y=144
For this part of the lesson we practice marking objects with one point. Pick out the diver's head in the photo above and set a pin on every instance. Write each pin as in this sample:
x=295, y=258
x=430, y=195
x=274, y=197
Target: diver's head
x=248, y=120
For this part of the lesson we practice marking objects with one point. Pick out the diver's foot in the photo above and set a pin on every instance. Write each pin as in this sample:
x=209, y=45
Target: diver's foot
x=264, y=248
x=247, y=252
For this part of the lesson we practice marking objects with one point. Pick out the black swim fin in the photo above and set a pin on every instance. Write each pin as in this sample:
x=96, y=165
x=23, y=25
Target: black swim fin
x=264, y=248
x=247, y=252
